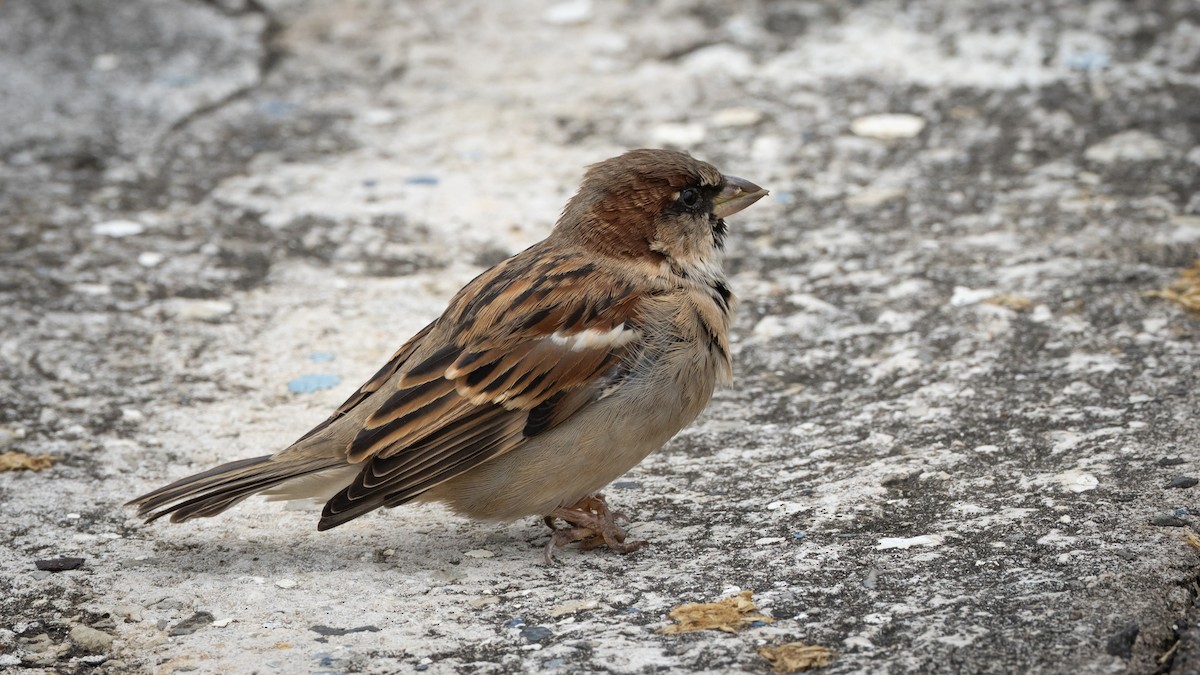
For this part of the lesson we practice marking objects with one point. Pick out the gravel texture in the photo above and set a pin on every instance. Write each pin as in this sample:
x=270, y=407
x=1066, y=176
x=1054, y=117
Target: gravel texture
x=962, y=438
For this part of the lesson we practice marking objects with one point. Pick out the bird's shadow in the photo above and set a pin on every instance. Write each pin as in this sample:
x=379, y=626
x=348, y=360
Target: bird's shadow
x=268, y=552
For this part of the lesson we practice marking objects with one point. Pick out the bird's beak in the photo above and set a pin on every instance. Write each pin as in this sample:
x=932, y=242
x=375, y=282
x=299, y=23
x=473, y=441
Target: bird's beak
x=737, y=194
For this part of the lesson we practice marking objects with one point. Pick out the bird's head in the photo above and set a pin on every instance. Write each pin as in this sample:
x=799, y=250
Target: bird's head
x=655, y=204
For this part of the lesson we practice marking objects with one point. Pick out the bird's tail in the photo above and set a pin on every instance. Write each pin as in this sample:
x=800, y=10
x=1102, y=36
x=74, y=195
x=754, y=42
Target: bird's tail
x=211, y=492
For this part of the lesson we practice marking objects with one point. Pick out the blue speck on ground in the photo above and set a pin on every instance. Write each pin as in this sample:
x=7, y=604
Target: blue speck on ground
x=307, y=384
x=798, y=535
x=277, y=108
x=321, y=357
x=515, y=622
x=1088, y=60
x=423, y=179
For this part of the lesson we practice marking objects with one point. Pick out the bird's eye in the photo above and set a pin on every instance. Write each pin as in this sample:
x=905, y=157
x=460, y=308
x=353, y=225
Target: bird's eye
x=689, y=197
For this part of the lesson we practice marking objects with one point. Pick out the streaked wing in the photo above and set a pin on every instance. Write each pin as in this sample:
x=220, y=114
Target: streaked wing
x=372, y=385
x=534, y=340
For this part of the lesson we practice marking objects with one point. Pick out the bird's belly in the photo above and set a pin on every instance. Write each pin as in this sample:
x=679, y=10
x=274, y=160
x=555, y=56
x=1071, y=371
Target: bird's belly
x=581, y=456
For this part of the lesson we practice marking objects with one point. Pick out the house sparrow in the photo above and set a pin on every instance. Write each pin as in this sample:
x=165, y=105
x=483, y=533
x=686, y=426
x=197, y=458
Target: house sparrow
x=547, y=377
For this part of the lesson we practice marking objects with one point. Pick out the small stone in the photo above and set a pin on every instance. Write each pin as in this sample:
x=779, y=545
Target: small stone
x=484, y=601
x=91, y=639
x=7, y=660
x=1121, y=643
x=1127, y=146
x=104, y=63
x=909, y=542
x=221, y=623
x=678, y=135
x=286, y=583
x=201, y=310
x=736, y=117
x=1170, y=461
x=785, y=507
x=536, y=634
x=1078, y=481
x=887, y=127
x=1181, y=482
x=767, y=541
x=58, y=564
x=1167, y=521
x=191, y=624
x=118, y=228
x=568, y=13
x=479, y=553
x=130, y=613
x=150, y=258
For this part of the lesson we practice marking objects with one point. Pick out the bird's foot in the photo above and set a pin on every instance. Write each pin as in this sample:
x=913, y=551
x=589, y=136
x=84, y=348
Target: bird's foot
x=593, y=524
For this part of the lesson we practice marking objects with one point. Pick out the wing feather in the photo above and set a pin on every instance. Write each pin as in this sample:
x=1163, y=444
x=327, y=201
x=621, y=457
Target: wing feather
x=533, y=343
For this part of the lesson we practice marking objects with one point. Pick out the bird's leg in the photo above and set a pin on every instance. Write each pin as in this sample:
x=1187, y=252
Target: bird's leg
x=593, y=524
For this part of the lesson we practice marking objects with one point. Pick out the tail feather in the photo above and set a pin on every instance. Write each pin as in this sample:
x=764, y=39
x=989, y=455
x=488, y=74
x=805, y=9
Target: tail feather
x=211, y=492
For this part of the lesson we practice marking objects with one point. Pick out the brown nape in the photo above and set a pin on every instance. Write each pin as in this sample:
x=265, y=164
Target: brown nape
x=615, y=210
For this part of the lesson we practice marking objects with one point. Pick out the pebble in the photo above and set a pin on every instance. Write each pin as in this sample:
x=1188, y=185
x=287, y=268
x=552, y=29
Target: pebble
x=909, y=542
x=484, y=601
x=479, y=553
x=679, y=135
x=1181, y=482
x=736, y=117
x=888, y=126
x=536, y=633
x=91, y=639
x=767, y=541
x=286, y=583
x=568, y=13
x=200, y=310
x=9, y=660
x=1127, y=146
x=785, y=507
x=515, y=622
x=118, y=228
x=1167, y=521
x=191, y=624
x=58, y=564
x=150, y=258
x=1078, y=481
x=1170, y=461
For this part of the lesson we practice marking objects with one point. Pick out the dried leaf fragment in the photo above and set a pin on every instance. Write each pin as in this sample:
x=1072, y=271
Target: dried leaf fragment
x=795, y=657
x=1192, y=540
x=728, y=615
x=1184, y=291
x=19, y=461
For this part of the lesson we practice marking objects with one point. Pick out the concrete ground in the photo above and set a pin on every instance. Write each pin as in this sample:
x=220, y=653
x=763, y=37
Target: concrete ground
x=962, y=437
